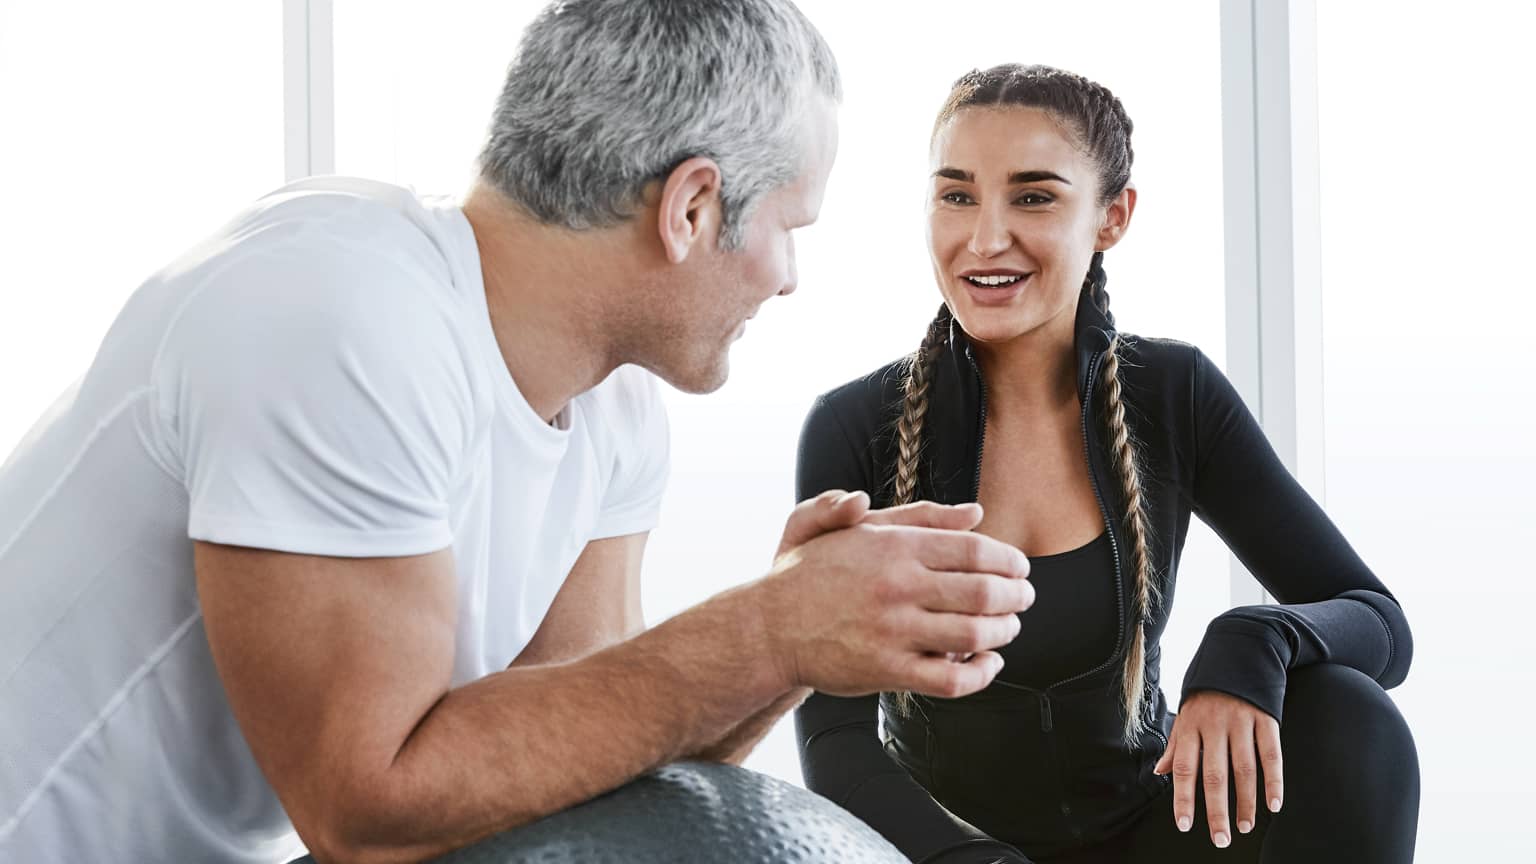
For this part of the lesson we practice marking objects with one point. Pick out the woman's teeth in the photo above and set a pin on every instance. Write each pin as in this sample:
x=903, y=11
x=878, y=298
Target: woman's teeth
x=992, y=281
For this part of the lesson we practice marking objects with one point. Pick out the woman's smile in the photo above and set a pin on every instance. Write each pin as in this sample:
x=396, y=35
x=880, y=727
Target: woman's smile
x=994, y=288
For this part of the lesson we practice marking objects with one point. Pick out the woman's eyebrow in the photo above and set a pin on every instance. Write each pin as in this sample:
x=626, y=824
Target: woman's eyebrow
x=1035, y=177
x=1014, y=178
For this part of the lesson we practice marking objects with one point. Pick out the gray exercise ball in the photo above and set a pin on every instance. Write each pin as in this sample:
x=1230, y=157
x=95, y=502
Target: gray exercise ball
x=692, y=812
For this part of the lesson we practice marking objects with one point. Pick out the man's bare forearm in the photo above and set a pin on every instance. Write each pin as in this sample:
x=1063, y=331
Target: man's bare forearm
x=736, y=746
x=526, y=742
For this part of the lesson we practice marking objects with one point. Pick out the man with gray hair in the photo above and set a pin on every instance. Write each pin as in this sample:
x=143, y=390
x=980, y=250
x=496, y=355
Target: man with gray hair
x=341, y=532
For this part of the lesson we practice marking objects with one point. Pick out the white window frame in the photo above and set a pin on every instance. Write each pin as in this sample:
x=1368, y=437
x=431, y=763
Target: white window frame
x=1273, y=235
x=309, y=89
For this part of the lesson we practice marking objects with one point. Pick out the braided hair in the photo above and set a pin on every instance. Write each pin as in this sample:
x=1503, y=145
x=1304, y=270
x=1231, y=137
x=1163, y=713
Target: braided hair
x=1103, y=130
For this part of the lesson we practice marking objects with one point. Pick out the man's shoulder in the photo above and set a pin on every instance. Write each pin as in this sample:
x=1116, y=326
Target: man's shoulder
x=333, y=196
x=323, y=219
x=344, y=248
x=322, y=277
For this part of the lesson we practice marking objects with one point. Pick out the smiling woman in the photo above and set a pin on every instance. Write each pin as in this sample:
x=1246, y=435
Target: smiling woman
x=1021, y=383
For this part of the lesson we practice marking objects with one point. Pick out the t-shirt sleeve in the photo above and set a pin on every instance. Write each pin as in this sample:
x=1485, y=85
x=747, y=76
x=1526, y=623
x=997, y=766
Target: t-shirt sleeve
x=321, y=403
x=642, y=463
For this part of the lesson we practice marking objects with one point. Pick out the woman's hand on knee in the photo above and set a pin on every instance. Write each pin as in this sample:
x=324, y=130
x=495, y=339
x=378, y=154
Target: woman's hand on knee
x=1232, y=738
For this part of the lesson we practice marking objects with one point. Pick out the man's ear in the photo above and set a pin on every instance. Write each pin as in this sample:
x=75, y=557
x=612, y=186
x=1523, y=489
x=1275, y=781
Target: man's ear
x=689, y=210
x=1117, y=218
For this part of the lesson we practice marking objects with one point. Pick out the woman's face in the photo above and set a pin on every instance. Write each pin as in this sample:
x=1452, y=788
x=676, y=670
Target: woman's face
x=1014, y=219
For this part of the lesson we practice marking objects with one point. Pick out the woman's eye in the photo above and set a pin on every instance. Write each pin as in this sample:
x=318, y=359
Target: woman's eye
x=1034, y=198
x=957, y=198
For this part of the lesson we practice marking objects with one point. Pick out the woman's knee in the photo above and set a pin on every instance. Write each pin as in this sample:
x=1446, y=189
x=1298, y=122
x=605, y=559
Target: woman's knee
x=1346, y=718
x=1351, y=771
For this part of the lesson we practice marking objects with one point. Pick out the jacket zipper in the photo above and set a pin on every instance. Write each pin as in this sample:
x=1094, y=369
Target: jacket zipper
x=1046, y=723
x=1109, y=528
x=981, y=427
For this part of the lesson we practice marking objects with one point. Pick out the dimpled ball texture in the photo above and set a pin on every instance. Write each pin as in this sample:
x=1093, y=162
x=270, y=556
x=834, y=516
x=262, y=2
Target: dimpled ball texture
x=691, y=812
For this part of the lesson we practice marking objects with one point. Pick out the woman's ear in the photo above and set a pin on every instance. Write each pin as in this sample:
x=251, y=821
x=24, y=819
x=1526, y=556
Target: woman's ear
x=1117, y=218
x=689, y=209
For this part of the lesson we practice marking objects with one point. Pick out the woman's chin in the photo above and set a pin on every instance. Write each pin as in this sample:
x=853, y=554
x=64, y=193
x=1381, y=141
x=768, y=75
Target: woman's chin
x=995, y=325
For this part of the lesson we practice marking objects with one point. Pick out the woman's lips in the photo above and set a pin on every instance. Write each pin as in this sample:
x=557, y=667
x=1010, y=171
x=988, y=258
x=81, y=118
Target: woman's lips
x=1000, y=295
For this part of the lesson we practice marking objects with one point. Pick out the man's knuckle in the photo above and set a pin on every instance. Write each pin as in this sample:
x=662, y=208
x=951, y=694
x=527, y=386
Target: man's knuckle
x=891, y=587
x=984, y=595
x=974, y=551
x=955, y=681
x=913, y=544
x=882, y=589
x=976, y=633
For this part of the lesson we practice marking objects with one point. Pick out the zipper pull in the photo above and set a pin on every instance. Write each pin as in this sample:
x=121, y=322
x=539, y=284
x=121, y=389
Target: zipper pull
x=1046, y=723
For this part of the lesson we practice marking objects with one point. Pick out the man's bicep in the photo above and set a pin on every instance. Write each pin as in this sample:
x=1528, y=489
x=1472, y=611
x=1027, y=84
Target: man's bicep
x=597, y=606
x=328, y=663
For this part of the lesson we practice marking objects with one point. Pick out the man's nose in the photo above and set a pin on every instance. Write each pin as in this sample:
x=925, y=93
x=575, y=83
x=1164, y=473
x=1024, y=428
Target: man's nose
x=792, y=272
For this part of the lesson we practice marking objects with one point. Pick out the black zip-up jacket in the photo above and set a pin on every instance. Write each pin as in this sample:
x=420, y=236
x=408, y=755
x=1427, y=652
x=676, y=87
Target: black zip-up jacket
x=1059, y=751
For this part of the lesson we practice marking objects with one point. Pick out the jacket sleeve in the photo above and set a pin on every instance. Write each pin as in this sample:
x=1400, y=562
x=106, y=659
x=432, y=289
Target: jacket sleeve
x=841, y=756
x=1332, y=608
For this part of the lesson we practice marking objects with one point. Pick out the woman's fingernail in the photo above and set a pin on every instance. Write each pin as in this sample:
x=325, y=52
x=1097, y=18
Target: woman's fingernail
x=1274, y=805
x=1221, y=840
x=1184, y=823
x=1244, y=827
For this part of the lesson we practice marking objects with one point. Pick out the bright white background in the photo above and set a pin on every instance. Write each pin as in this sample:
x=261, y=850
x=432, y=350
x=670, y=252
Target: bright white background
x=129, y=130
x=1425, y=125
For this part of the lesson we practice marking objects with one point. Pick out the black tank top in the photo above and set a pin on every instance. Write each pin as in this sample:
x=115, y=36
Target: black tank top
x=1070, y=629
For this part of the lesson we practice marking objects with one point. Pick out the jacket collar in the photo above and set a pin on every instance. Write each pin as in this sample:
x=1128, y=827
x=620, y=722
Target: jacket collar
x=956, y=400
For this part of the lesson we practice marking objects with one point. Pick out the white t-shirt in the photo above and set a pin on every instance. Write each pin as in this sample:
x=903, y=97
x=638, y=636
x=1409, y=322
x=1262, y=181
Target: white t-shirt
x=318, y=377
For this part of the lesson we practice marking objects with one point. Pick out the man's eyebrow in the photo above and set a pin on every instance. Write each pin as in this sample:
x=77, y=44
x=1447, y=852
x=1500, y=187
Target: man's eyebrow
x=1013, y=179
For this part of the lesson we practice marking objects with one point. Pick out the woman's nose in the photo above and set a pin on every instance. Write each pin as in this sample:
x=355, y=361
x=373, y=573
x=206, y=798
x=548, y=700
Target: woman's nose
x=990, y=235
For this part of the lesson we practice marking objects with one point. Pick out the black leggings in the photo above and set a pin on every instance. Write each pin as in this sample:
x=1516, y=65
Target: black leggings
x=1351, y=789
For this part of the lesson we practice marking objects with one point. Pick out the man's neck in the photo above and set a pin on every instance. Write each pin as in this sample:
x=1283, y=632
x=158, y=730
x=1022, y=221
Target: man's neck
x=544, y=286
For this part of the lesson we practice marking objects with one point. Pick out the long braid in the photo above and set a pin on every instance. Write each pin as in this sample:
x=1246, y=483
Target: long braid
x=1127, y=464
x=914, y=407
x=909, y=428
